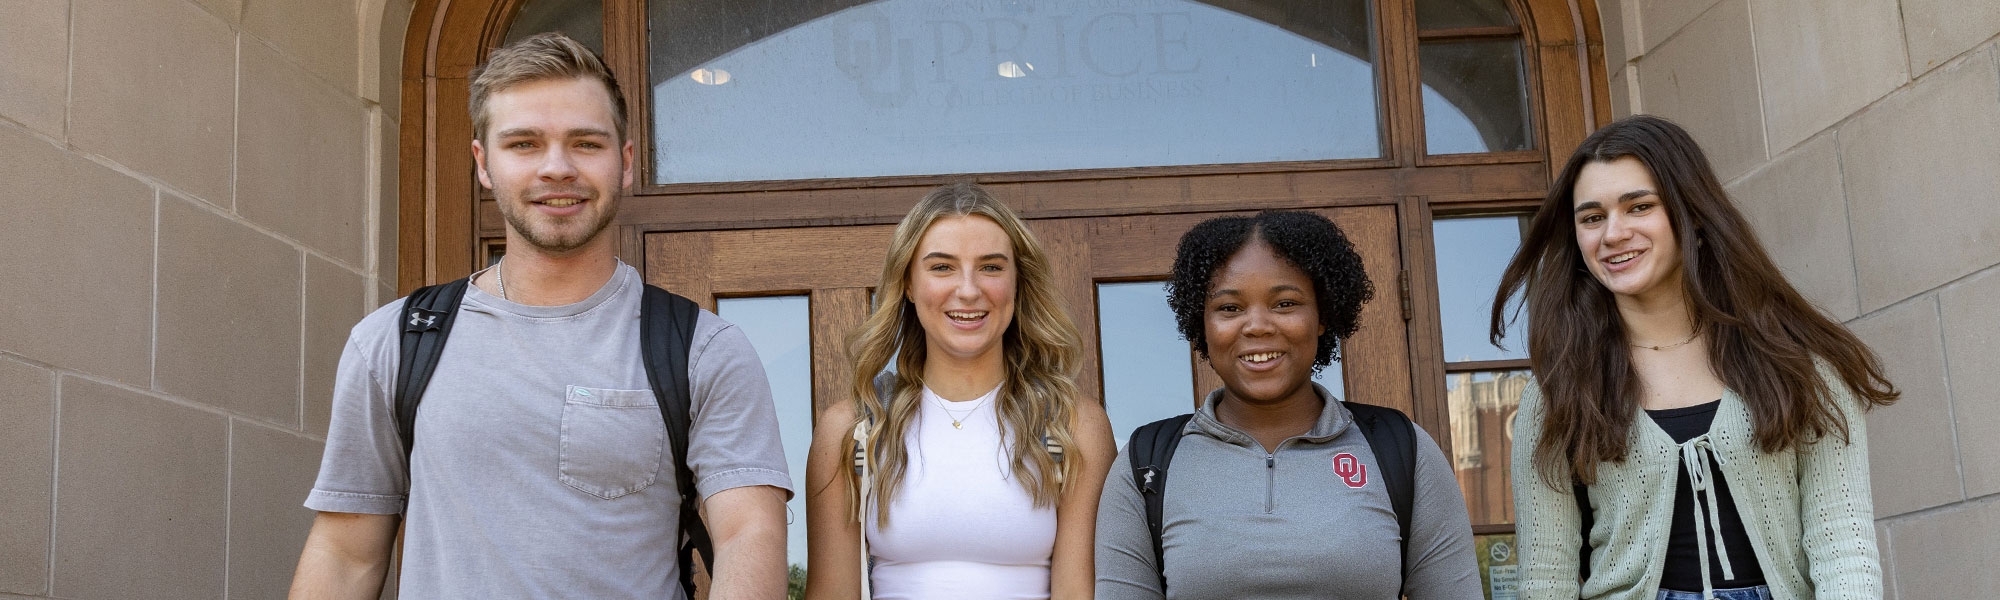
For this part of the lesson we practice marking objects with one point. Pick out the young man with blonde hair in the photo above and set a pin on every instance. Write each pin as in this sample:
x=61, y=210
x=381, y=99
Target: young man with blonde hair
x=541, y=466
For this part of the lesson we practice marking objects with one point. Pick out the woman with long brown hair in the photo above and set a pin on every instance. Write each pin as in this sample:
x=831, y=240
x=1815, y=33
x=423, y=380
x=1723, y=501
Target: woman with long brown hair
x=1746, y=476
x=972, y=469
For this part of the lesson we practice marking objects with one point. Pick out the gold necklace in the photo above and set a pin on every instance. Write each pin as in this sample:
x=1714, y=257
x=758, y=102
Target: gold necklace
x=958, y=422
x=1690, y=338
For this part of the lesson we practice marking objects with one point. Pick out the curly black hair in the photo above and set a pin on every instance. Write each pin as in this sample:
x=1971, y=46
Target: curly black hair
x=1308, y=241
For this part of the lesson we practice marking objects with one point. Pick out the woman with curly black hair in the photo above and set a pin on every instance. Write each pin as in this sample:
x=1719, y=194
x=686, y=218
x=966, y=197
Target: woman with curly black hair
x=1277, y=492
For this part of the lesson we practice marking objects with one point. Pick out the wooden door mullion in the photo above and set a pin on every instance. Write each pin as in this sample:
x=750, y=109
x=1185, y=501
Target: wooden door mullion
x=836, y=314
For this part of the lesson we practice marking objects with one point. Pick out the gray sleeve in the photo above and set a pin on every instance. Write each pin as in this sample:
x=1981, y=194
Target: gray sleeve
x=1125, y=569
x=1441, y=564
x=733, y=441
x=364, y=469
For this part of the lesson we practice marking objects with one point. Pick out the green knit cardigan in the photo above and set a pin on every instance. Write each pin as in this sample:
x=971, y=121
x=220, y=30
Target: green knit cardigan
x=1807, y=510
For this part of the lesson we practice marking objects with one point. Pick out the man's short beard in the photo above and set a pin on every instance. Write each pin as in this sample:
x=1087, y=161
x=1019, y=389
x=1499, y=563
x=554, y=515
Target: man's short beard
x=555, y=244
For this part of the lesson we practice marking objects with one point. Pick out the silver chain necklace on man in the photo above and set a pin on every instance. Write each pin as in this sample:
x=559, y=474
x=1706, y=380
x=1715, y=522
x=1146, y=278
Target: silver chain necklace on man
x=958, y=421
x=500, y=277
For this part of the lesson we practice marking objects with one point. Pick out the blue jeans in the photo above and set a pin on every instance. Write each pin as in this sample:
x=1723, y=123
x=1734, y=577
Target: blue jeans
x=1748, y=593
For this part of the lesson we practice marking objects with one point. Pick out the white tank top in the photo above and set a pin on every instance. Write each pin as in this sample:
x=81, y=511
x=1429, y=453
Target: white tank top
x=960, y=526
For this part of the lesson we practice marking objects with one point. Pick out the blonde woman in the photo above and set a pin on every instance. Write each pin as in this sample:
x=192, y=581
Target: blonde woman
x=964, y=488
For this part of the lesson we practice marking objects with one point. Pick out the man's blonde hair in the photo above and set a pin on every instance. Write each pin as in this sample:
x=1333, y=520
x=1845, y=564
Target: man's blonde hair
x=541, y=57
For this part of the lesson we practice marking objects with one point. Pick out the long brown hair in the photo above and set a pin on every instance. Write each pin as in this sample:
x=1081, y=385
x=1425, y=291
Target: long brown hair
x=1764, y=339
x=1040, y=349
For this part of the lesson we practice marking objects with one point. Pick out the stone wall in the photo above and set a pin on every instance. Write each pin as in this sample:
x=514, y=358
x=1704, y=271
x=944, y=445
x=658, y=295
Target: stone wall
x=1863, y=139
x=200, y=205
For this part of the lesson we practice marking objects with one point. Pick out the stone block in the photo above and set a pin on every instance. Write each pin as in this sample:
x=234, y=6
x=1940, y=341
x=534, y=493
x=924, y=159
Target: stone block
x=1912, y=461
x=389, y=26
x=228, y=10
x=27, y=464
x=1620, y=84
x=1938, y=30
x=76, y=286
x=1885, y=548
x=1822, y=60
x=229, y=314
x=1619, y=40
x=270, y=472
x=143, y=496
x=1923, y=195
x=1949, y=554
x=384, y=294
x=1800, y=212
x=323, y=36
x=34, y=78
x=336, y=299
x=388, y=196
x=1971, y=314
x=1706, y=79
x=1662, y=19
x=303, y=150
x=153, y=87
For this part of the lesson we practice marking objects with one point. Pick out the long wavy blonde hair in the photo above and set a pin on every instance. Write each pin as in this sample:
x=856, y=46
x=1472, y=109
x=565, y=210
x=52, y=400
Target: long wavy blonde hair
x=1039, y=347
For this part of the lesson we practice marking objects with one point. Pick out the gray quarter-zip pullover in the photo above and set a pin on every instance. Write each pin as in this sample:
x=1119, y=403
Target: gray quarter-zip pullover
x=1240, y=522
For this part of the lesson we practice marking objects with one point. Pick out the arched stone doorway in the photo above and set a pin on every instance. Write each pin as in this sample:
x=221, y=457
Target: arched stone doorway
x=1468, y=104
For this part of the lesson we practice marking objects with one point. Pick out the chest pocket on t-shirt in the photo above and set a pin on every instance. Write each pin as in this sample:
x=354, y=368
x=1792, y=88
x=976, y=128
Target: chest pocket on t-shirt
x=612, y=441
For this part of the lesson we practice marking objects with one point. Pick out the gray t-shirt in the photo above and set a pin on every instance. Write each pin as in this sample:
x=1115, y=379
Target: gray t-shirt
x=541, y=466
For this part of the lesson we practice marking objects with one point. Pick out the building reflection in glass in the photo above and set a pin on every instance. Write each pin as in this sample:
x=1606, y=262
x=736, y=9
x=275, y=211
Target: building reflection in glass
x=1481, y=406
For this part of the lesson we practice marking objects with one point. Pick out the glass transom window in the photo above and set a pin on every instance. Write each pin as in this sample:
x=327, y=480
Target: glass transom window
x=830, y=89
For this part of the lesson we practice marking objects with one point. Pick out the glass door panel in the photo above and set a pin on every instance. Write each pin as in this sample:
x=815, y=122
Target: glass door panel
x=1483, y=384
x=581, y=20
x=1148, y=371
x=1475, y=97
x=778, y=327
x=1471, y=253
x=1482, y=404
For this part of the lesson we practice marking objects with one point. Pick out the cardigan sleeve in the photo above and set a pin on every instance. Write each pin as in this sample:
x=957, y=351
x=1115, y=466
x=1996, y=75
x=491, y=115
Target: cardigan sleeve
x=1546, y=522
x=1836, y=509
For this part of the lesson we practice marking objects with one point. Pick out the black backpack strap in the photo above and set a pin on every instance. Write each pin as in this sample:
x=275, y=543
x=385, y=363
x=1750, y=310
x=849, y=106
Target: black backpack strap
x=427, y=317
x=1150, y=450
x=1393, y=438
x=666, y=334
